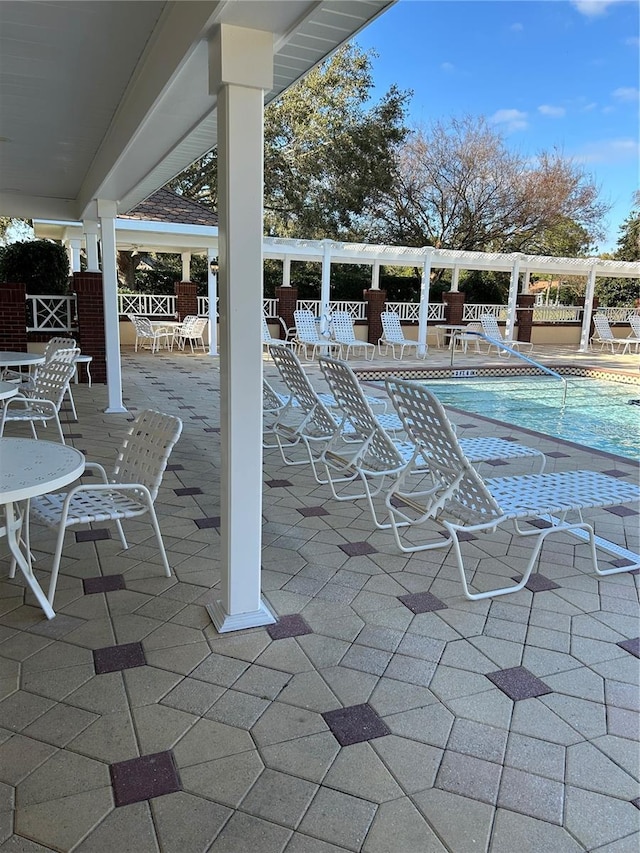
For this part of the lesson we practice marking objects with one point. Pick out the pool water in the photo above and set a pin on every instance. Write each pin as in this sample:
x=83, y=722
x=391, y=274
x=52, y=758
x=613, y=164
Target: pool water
x=600, y=414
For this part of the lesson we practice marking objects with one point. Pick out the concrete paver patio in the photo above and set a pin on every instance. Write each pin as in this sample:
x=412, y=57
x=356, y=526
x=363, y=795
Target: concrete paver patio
x=383, y=712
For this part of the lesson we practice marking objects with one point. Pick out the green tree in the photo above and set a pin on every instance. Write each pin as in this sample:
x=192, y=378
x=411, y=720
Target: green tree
x=624, y=291
x=328, y=154
x=458, y=186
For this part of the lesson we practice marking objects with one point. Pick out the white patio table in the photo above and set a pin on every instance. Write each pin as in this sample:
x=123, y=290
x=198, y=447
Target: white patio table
x=29, y=468
x=8, y=389
x=19, y=359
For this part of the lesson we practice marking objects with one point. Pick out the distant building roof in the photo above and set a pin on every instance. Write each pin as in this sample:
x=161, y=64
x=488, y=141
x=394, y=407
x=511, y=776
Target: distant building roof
x=166, y=206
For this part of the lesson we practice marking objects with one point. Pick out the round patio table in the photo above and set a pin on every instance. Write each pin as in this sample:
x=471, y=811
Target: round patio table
x=8, y=389
x=19, y=359
x=29, y=468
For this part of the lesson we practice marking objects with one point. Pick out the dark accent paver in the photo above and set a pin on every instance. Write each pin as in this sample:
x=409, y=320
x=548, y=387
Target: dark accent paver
x=190, y=490
x=538, y=583
x=311, y=511
x=540, y=523
x=92, y=535
x=557, y=454
x=632, y=646
x=616, y=472
x=358, y=549
x=109, y=583
x=116, y=658
x=292, y=625
x=422, y=602
x=175, y=468
x=278, y=484
x=621, y=511
x=518, y=683
x=204, y=523
x=355, y=724
x=144, y=778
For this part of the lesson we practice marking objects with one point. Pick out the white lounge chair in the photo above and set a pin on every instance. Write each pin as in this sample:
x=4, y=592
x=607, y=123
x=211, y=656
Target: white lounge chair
x=308, y=335
x=42, y=402
x=268, y=340
x=147, y=333
x=393, y=336
x=455, y=496
x=344, y=335
x=634, y=335
x=604, y=336
x=129, y=492
x=382, y=458
x=498, y=340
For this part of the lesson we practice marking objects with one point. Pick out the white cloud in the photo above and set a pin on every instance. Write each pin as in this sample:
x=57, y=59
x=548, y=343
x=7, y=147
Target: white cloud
x=625, y=93
x=511, y=119
x=447, y=66
x=593, y=8
x=552, y=112
x=517, y=27
x=632, y=41
x=609, y=151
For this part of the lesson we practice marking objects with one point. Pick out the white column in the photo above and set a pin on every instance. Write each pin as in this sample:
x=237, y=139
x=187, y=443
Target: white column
x=107, y=214
x=525, y=281
x=325, y=286
x=513, y=296
x=423, y=314
x=212, y=290
x=74, y=254
x=375, y=276
x=286, y=271
x=239, y=86
x=91, y=240
x=455, y=278
x=186, y=266
x=588, y=310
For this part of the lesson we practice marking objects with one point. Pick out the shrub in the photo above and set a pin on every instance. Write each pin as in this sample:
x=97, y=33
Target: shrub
x=42, y=266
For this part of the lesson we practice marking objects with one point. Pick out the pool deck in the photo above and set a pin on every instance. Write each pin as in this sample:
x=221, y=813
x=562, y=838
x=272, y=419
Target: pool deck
x=188, y=741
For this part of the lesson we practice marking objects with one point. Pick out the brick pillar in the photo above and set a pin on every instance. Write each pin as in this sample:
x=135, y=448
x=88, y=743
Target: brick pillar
x=91, y=339
x=454, y=307
x=13, y=310
x=525, y=303
x=287, y=300
x=376, y=301
x=187, y=298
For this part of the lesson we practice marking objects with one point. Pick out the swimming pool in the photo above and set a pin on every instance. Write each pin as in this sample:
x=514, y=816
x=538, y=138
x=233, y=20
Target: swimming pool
x=597, y=413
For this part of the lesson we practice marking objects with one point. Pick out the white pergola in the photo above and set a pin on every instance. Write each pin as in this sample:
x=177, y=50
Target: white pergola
x=197, y=239
x=102, y=103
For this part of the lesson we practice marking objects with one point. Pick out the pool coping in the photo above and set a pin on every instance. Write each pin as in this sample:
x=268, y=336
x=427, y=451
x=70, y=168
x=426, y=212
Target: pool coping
x=421, y=373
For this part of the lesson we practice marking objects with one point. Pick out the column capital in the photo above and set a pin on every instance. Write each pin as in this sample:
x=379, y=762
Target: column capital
x=229, y=48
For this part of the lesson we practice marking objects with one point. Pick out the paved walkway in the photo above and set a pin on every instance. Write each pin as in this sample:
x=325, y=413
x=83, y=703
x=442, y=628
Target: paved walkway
x=383, y=713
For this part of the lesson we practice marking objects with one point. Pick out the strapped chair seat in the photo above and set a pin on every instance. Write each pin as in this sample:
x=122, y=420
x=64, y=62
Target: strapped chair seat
x=455, y=496
x=147, y=334
x=379, y=457
x=308, y=335
x=191, y=329
x=43, y=401
x=393, y=336
x=498, y=340
x=268, y=340
x=344, y=335
x=128, y=493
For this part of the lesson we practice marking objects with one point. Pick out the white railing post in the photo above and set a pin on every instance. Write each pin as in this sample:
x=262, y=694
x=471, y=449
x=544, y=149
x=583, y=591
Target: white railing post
x=423, y=316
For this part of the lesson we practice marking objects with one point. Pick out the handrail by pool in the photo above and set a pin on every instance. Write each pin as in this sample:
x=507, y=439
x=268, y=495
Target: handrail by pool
x=502, y=345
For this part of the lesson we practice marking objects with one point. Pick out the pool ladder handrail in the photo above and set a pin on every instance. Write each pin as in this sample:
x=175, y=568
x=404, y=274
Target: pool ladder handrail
x=502, y=345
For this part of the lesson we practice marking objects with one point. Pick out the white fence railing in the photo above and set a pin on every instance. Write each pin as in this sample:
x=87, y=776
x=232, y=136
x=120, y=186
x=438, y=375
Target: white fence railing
x=618, y=315
x=409, y=312
x=51, y=314
x=270, y=307
x=146, y=303
x=556, y=313
x=472, y=313
x=356, y=310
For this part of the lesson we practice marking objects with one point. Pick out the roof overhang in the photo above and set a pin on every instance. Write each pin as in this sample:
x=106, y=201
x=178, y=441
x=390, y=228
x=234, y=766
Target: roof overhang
x=110, y=100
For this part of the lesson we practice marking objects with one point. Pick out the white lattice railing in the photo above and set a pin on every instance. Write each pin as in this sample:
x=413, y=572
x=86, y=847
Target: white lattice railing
x=618, y=315
x=147, y=304
x=270, y=307
x=356, y=310
x=556, y=313
x=51, y=314
x=409, y=312
x=473, y=312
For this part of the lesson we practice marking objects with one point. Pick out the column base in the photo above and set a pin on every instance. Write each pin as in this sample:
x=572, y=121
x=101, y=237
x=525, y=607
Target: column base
x=116, y=410
x=224, y=622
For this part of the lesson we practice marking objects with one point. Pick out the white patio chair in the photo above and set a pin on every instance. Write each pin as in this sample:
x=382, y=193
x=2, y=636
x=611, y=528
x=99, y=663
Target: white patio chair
x=462, y=340
x=191, y=329
x=634, y=335
x=268, y=340
x=393, y=336
x=456, y=497
x=498, y=340
x=57, y=349
x=42, y=402
x=148, y=333
x=344, y=334
x=308, y=335
x=129, y=492
x=382, y=457
x=604, y=336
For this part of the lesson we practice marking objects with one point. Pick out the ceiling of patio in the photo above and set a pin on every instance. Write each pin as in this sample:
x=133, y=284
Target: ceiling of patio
x=110, y=99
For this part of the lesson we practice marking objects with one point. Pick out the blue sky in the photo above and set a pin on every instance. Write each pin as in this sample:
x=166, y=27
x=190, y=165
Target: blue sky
x=546, y=73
